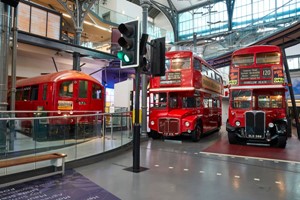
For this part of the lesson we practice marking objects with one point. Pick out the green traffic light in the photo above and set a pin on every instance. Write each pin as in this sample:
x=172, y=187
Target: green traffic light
x=124, y=57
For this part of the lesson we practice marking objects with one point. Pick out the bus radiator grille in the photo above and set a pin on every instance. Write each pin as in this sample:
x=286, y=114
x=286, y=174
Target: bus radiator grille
x=255, y=124
x=169, y=127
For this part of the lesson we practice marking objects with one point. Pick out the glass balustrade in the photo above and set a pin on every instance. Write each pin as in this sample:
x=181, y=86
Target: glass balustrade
x=77, y=134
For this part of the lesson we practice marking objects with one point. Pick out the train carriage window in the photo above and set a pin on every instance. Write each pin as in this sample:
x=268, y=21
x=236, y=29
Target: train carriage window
x=34, y=91
x=45, y=89
x=96, y=91
x=83, y=86
x=26, y=94
x=66, y=89
x=19, y=94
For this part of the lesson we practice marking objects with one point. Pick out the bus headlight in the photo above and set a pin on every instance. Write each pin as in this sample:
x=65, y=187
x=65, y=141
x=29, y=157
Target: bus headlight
x=271, y=125
x=152, y=123
x=237, y=123
x=187, y=124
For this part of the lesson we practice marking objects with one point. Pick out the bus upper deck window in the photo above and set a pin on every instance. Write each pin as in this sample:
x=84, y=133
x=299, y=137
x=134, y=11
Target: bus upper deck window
x=268, y=58
x=181, y=63
x=243, y=60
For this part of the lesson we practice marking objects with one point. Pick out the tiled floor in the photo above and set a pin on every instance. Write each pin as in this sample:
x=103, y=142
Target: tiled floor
x=183, y=170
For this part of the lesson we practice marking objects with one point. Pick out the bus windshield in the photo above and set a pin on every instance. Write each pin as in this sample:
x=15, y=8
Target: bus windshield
x=241, y=99
x=269, y=101
x=180, y=63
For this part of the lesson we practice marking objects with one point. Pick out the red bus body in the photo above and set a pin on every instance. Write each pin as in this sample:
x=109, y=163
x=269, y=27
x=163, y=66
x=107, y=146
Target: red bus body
x=60, y=94
x=187, y=100
x=257, y=104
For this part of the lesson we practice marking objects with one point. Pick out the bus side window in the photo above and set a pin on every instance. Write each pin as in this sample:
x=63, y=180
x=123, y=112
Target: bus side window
x=197, y=64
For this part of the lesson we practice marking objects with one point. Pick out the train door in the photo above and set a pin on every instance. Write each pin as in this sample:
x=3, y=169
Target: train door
x=97, y=97
x=82, y=102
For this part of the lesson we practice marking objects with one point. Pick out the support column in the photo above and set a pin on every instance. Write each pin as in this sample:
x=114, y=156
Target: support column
x=4, y=46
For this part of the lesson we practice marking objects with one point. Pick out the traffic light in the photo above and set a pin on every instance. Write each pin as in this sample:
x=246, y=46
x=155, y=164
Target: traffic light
x=13, y=3
x=157, y=57
x=129, y=41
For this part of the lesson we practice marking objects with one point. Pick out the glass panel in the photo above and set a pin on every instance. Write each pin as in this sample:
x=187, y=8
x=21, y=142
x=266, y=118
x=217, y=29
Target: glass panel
x=53, y=26
x=45, y=88
x=96, y=91
x=24, y=21
x=158, y=100
x=38, y=21
x=83, y=85
x=241, y=99
x=66, y=89
x=243, y=60
x=34, y=92
x=268, y=58
x=181, y=63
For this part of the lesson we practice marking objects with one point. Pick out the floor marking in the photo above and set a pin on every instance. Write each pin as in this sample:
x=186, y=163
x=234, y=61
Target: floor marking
x=278, y=182
x=256, y=179
x=201, y=172
x=171, y=167
x=196, y=153
x=236, y=176
x=219, y=174
x=186, y=170
x=250, y=157
x=156, y=165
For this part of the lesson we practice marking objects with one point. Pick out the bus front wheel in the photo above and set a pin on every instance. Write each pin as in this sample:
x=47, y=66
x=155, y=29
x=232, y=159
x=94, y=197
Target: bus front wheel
x=196, y=133
x=154, y=135
x=232, y=137
x=281, y=141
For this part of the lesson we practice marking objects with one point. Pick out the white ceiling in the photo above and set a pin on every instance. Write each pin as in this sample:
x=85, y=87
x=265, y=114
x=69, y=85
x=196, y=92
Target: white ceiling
x=182, y=4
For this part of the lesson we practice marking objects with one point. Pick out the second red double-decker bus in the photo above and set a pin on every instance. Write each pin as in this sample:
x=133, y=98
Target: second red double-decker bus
x=257, y=107
x=187, y=100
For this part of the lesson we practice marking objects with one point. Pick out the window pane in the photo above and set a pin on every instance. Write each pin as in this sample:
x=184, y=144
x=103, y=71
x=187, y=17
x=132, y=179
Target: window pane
x=83, y=85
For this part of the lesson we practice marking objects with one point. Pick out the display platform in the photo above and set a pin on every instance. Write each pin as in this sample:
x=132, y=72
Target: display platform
x=70, y=186
x=290, y=154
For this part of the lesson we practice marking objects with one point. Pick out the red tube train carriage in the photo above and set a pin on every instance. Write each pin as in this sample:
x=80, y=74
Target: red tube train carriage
x=257, y=105
x=64, y=93
x=187, y=100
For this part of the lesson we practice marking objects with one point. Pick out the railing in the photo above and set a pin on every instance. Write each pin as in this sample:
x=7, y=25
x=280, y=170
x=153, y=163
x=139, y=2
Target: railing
x=79, y=135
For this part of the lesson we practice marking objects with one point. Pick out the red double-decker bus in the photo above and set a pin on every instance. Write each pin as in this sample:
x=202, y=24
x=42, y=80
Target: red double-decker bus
x=187, y=100
x=257, y=104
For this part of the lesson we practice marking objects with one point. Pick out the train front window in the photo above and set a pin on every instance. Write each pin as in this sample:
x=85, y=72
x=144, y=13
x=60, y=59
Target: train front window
x=96, y=91
x=158, y=100
x=66, y=89
x=83, y=86
x=181, y=63
x=241, y=99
